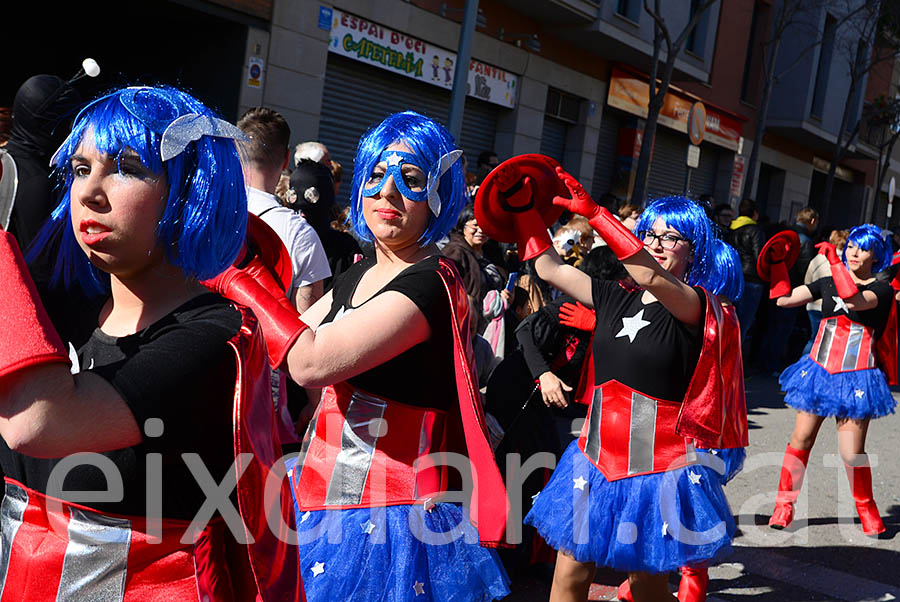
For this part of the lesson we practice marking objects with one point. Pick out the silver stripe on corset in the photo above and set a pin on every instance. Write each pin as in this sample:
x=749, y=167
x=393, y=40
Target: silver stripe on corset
x=96, y=561
x=854, y=342
x=592, y=441
x=424, y=447
x=304, y=447
x=12, y=513
x=828, y=328
x=643, y=434
x=358, y=442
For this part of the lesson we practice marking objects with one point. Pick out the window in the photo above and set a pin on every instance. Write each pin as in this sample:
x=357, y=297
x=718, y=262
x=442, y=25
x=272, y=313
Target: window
x=630, y=9
x=825, y=53
x=696, y=41
x=754, y=58
x=562, y=106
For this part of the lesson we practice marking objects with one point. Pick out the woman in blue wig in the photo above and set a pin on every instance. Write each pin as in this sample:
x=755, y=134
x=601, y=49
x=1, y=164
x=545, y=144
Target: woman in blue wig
x=632, y=493
x=130, y=355
x=846, y=374
x=378, y=513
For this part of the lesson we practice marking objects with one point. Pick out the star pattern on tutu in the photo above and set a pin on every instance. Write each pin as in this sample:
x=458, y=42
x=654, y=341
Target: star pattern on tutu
x=839, y=304
x=368, y=527
x=803, y=373
x=859, y=393
x=427, y=504
x=631, y=326
x=665, y=529
x=694, y=477
x=534, y=497
x=579, y=483
x=420, y=588
x=318, y=568
x=714, y=452
x=304, y=516
x=394, y=159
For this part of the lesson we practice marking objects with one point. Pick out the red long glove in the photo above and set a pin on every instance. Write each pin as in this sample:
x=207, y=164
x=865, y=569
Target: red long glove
x=532, y=236
x=779, y=281
x=619, y=238
x=577, y=316
x=843, y=282
x=280, y=323
x=29, y=337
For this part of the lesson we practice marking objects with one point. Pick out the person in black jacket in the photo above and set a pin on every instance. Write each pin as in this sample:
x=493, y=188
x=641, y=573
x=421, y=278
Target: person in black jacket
x=747, y=237
x=42, y=112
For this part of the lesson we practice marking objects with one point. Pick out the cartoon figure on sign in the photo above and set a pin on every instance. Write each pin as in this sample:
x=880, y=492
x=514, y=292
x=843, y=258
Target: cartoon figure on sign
x=482, y=90
x=435, y=67
x=448, y=67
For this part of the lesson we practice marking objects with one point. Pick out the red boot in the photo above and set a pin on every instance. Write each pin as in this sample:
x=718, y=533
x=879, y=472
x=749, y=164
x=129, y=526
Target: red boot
x=624, y=592
x=694, y=581
x=793, y=467
x=861, y=487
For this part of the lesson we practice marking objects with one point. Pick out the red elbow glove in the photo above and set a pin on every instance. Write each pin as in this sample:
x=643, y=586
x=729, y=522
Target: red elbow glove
x=620, y=239
x=280, y=322
x=843, y=282
x=29, y=337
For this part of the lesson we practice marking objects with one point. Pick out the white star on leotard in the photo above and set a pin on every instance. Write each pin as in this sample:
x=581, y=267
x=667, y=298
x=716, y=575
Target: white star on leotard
x=393, y=159
x=420, y=588
x=859, y=393
x=368, y=527
x=631, y=326
x=318, y=568
x=839, y=304
x=579, y=483
x=694, y=477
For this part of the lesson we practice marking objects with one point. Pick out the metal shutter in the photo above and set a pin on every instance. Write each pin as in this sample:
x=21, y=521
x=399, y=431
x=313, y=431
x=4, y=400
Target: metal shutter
x=607, y=143
x=667, y=165
x=553, y=138
x=703, y=177
x=357, y=97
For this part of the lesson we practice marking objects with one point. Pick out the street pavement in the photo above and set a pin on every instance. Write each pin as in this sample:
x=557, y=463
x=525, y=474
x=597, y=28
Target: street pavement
x=823, y=555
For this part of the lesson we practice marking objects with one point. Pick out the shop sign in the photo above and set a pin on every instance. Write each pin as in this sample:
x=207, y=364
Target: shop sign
x=737, y=176
x=631, y=93
x=400, y=53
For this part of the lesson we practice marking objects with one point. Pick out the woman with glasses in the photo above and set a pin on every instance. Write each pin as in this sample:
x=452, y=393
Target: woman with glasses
x=632, y=493
x=135, y=377
x=844, y=375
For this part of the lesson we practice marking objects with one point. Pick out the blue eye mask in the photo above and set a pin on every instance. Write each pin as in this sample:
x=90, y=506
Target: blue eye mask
x=394, y=161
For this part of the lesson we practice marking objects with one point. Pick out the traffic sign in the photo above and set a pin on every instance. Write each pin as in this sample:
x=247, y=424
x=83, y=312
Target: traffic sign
x=693, y=155
x=697, y=123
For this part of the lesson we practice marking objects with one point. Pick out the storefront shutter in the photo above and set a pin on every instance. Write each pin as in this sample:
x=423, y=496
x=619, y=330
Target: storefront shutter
x=703, y=178
x=605, y=165
x=553, y=138
x=357, y=97
x=667, y=165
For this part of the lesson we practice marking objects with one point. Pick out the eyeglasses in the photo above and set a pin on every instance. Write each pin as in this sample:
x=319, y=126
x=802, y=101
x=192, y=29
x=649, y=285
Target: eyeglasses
x=666, y=241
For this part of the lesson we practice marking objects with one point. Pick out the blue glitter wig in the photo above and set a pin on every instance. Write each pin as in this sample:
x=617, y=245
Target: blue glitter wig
x=690, y=220
x=728, y=266
x=428, y=141
x=870, y=237
x=204, y=222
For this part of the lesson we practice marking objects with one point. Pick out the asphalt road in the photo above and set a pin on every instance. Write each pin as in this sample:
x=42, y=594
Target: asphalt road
x=823, y=555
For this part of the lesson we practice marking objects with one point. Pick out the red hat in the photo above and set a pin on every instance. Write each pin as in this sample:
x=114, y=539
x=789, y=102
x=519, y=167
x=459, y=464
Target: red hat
x=785, y=244
x=515, y=186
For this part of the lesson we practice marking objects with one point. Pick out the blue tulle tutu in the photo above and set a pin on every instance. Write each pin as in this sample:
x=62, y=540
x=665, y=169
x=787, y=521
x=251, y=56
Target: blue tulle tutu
x=654, y=523
x=733, y=462
x=858, y=394
x=396, y=554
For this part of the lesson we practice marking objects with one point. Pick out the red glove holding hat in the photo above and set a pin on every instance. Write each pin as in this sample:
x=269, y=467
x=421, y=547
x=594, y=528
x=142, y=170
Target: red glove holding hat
x=776, y=258
x=619, y=238
x=843, y=282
